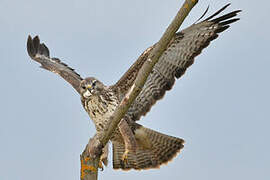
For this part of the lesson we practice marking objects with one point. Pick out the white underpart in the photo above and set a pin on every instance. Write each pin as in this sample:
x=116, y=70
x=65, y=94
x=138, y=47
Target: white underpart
x=87, y=94
x=102, y=112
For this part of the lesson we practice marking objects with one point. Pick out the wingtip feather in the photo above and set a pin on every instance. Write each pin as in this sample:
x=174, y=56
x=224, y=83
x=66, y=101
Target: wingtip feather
x=30, y=46
x=229, y=21
x=218, y=12
x=34, y=47
x=203, y=14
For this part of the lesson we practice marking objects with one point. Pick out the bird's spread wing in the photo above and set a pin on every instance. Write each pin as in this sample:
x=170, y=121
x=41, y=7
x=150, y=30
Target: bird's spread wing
x=40, y=53
x=126, y=81
x=173, y=63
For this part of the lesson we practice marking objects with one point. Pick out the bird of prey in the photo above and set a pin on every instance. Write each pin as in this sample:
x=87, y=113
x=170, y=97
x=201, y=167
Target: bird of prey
x=135, y=146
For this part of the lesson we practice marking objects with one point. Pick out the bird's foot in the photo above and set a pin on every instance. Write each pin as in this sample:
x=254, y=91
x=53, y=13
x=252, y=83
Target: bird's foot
x=100, y=165
x=124, y=158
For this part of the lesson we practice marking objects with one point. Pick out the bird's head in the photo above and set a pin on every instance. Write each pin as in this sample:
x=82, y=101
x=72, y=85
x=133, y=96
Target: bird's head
x=90, y=86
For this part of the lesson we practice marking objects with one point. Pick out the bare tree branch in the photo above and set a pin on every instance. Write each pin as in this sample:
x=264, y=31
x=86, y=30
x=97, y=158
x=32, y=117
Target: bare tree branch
x=90, y=157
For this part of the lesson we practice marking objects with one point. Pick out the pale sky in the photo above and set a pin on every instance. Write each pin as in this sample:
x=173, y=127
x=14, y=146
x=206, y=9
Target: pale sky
x=220, y=106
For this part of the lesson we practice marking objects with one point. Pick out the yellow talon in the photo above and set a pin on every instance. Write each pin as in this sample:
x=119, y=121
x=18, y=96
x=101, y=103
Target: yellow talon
x=125, y=156
x=100, y=165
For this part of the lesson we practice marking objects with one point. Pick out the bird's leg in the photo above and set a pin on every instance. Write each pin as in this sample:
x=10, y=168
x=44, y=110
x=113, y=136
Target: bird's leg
x=104, y=157
x=129, y=139
x=94, y=146
x=94, y=149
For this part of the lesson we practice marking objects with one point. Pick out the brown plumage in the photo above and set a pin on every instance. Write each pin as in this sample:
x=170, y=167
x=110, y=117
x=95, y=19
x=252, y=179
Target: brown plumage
x=162, y=148
x=134, y=146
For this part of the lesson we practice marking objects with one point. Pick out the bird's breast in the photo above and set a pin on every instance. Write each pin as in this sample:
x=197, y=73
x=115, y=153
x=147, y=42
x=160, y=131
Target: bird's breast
x=100, y=110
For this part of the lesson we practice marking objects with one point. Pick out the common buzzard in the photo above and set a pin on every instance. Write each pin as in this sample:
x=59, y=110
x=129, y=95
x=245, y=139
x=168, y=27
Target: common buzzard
x=135, y=146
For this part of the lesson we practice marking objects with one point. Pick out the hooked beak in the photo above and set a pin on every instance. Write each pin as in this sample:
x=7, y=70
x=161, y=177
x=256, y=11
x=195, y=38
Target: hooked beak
x=89, y=88
x=88, y=92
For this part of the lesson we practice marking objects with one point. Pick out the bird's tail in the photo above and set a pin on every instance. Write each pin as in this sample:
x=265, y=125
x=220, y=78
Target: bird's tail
x=153, y=149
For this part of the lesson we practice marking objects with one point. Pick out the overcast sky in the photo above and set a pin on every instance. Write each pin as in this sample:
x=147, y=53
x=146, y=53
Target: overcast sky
x=220, y=106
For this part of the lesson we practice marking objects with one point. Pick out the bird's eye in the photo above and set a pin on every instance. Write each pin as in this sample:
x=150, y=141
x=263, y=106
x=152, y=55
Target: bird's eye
x=83, y=87
x=94, y=83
